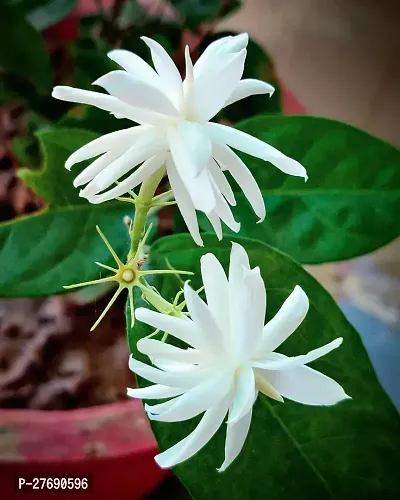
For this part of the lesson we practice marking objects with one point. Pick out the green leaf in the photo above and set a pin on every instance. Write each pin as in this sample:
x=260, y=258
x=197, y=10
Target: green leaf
x=23, y=51
x=350, y=203
x=196, y=12
x=293, y=451
x=258, y=65
x=93, y=119
x=42, y=252
x=53, y=182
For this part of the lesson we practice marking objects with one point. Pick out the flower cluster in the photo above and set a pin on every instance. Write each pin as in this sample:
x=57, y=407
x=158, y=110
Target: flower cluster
x=174, y=131
x=231, y=354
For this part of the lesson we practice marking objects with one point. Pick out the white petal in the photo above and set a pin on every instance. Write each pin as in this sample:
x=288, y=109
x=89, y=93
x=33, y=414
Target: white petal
x=216, y=289
x=305, y=385
x=136, y=92
x=212, y=89
x=173, y=366
x=116, y=141
x=182, y=328
x=138, y=176
x=174, y=379
x=236, y=435
x=183, y=201
x=238, y=295
x=244, y=393
x=228, y=160
x=248, y=87
x=285, y=363
x=197, y=144
x=195, y=401
x=156, y=348
x=254, y=310
x=238, y=261
x=136, y=66
x=287, y=320
x=156, y=391
x=223, y=210
x=97, y=166
x=215, y=221
x=222, y=134
x=203, y=319
x=198, y=186
x=108, y=103
x=144, y=148
x=167, y=70
x=217, y=50
x=193, y=443
x=221, y=181
x=264, y=386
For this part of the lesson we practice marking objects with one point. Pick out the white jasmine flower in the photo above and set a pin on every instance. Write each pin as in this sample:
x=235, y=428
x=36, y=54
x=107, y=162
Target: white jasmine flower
x=174, y=130
x=230, y=359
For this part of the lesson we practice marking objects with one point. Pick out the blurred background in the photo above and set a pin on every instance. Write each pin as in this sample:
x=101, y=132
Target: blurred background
x=333, y=58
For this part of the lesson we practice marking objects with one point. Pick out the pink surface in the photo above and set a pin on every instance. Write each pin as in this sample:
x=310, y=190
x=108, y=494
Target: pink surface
x=113, y=443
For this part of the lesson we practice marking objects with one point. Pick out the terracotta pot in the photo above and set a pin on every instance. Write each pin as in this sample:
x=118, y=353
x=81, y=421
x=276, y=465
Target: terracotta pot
x=112, y=443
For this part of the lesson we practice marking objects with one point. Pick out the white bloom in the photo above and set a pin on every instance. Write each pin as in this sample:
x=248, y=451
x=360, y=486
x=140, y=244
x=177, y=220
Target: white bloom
x=174, y=130
x=231, y=358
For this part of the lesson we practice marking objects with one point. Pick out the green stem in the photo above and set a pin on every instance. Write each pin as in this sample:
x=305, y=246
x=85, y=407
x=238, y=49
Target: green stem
x=143, y=205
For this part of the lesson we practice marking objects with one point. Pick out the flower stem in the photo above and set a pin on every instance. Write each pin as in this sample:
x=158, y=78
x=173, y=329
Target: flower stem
x=143, y=205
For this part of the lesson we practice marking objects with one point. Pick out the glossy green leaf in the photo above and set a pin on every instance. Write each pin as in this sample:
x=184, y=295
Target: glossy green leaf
x=350, y=203
x=42, y=252
x=23, y=52
x=293, y=451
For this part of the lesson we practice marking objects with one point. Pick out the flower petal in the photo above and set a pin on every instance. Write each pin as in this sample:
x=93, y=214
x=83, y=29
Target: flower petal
x=305, y=385
x=181, y=328
x=183, y=201
x=204, y=320
x=196, y=440
x=264, y=386
x=222, y=134
x=136, y=66
x=156, y=391
x=212, y=89
x=108, y=103
x=284, y=363
x=97, y=166
x=156, y=348
x=174, y=379
x=248, y=87
x=195, y=401
x=217, y=289
x=215, y=221
x=221, y=181
x=116, y=141
x=198, y=185
x=146, y=146
x=166, y=69
x=136, y=93
x=254, y=307
x=138, y=176
x=228, y=160
x=244, y=393
x=223, y=210
x=217, y=50
x=236, y=435
x=287, y=320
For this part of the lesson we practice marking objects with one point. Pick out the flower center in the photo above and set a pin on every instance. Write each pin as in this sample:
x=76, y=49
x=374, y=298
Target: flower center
x=128, y=275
